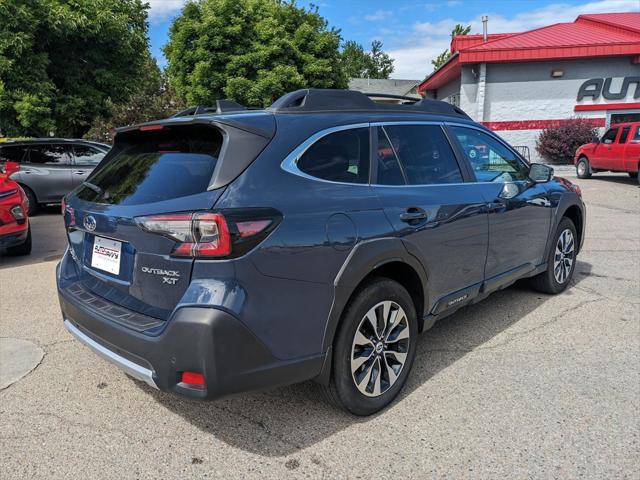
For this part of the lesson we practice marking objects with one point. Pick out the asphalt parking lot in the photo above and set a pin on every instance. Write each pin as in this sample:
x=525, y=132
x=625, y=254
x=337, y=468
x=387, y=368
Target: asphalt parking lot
x=521, y=385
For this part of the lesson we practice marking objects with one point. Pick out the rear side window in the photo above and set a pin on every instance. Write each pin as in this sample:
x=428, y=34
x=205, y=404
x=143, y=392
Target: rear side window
x=339, y=157
x=637, y=135
x=85, y=155
x=424, y=153
x=389, y=171
x=624, y=134
x=12, y=154
x=49, y=155
x=153, y=166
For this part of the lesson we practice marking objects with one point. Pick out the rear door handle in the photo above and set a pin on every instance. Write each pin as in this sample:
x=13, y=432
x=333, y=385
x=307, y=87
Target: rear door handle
x=79, y=172
x=413, y=214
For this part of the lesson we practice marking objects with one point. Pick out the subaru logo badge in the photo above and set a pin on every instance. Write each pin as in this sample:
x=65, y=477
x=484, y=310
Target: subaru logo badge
x=89, y=223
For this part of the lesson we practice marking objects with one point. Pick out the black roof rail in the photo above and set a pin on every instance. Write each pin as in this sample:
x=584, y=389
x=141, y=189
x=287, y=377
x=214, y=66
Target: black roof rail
x=222, y=106
x=316, y=100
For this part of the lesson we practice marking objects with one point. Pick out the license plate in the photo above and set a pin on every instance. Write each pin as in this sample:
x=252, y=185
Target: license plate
x=106, y=255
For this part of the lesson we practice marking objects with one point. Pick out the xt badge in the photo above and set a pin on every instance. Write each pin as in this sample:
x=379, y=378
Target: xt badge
x=169, y=277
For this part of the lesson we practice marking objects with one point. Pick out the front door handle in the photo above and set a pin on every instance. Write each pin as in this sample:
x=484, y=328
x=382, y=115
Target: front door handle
x=79, y=172
x=413, y=215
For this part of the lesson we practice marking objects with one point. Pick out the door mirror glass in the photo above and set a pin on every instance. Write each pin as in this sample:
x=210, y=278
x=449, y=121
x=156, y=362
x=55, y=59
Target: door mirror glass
x=540, y=173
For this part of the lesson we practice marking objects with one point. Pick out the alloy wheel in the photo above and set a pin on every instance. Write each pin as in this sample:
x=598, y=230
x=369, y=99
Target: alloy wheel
x=564, y=256
x=379, y=349
x=582, y=168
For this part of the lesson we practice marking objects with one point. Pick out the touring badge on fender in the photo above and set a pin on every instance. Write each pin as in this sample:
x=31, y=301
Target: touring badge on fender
x=169, y=277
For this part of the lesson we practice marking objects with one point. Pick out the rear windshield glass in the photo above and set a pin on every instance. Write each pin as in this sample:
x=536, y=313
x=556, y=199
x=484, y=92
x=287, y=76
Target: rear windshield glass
x=153, y=166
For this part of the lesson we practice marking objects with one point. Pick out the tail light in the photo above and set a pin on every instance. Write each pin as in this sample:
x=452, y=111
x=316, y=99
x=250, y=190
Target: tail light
x=212, y=234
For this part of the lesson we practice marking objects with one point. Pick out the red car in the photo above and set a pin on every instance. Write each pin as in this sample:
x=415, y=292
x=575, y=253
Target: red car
x=617, y=151
x=15, y=232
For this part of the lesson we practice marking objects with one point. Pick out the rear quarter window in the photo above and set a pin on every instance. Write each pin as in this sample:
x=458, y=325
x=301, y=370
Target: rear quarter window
x=152, y=166
x=339, y=157
x=12, y=153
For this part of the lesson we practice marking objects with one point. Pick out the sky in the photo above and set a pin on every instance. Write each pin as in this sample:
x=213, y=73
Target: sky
x=415, y=32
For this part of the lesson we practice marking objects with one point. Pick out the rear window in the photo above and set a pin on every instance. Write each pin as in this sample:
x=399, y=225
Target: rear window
x=153, y=166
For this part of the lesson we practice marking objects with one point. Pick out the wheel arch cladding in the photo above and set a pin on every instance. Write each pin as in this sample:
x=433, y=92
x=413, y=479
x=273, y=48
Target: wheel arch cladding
x=574, y=214
x=386, y=257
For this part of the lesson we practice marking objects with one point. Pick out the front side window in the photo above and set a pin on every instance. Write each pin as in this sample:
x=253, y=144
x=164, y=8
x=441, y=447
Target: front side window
x=636, y=137
x=86, y=155
x=49, y=155
x=339, y=157
x=610, y=136
x=424, y=154
x=490, y=160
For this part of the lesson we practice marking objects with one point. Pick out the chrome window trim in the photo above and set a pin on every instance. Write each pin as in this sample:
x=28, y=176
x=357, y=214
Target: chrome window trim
x=290, y=163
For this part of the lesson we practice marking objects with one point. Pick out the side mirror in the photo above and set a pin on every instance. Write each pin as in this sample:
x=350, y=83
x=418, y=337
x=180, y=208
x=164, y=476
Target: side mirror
x=540, y=173
x=595, y=140
x=11, y=168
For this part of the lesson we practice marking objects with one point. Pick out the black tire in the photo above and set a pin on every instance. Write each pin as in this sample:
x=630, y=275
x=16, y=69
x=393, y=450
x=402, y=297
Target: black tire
x=24, y=248
x=633, y=174
x=583, y=169
x=33, y=201
x=547, y=281
x=342, y=390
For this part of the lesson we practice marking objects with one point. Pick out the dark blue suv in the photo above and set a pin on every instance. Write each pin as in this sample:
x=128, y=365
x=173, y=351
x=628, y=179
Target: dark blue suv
x=226, y=250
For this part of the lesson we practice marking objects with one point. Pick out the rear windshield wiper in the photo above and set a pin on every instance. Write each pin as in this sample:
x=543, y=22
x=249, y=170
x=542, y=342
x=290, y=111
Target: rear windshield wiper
x=93, y=187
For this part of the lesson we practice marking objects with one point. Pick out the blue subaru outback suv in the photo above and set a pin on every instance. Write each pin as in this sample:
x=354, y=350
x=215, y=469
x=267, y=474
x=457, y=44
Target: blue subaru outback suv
x=225, y=250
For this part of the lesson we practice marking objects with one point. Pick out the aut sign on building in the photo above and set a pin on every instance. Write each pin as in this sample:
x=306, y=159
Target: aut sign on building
x=521, y=83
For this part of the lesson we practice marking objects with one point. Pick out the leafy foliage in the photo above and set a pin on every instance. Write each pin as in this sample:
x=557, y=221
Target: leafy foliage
x=446, y=55
x=559, y=144
x=360, y=64
x=154, y=99
x=250, y=51
x=63, y=61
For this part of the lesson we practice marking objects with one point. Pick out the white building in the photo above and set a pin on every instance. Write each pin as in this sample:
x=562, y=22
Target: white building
x=518, y=84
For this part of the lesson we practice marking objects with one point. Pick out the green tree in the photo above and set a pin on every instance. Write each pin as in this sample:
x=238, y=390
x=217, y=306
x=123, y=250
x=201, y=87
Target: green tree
x=446, y=55
x=155, y=98
x=62, y=62
x=250, y=51
x=355, y=61
x=360, y=64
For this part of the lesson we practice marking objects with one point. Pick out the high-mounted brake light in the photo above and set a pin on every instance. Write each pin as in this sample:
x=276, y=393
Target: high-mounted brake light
x=147, y=128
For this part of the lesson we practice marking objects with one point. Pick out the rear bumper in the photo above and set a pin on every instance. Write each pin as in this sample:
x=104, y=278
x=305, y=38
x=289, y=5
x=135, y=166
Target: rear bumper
x=196, y=339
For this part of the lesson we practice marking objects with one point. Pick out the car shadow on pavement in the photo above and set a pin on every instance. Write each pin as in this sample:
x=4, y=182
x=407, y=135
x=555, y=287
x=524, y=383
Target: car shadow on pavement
x=621, y=179
x=284, y=420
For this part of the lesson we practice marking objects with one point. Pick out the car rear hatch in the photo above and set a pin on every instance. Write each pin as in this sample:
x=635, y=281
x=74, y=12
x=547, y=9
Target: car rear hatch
x=155, y=175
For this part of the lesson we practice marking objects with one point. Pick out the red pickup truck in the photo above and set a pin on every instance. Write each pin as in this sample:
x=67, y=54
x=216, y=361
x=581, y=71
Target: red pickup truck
x=617, y=151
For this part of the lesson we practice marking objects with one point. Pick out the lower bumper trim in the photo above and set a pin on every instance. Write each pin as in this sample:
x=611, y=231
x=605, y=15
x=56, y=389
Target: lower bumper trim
x=133, y=369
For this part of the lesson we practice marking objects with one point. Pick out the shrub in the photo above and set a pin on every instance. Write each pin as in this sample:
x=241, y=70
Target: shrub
x=558, y=144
